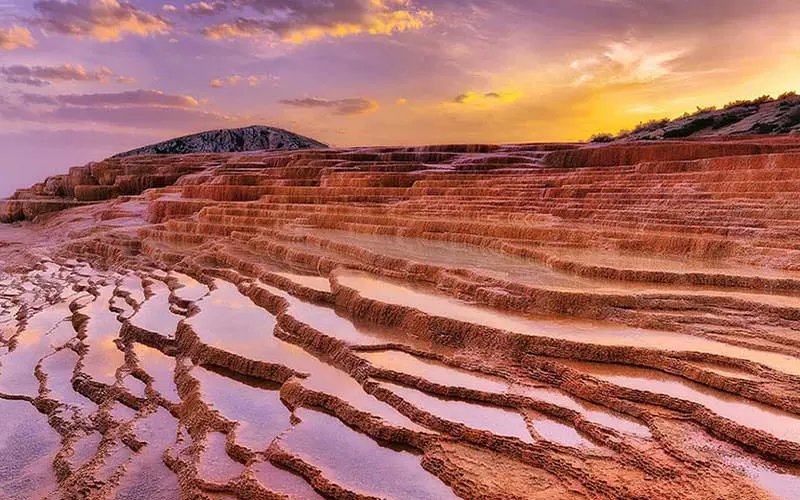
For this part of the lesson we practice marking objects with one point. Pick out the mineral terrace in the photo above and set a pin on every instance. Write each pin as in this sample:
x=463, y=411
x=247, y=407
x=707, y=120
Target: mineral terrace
x=524, y=321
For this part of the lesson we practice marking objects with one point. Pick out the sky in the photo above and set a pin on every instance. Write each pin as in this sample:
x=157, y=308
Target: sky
x=83, y=79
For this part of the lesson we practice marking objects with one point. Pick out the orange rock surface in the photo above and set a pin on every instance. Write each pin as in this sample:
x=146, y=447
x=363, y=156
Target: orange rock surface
x=481, y=321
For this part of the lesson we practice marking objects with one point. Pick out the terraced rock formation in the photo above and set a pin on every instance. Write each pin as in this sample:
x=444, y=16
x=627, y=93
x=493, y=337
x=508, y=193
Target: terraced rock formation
x=519, y=321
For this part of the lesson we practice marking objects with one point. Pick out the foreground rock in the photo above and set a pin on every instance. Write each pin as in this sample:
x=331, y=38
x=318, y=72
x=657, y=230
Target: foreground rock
x=520, y=321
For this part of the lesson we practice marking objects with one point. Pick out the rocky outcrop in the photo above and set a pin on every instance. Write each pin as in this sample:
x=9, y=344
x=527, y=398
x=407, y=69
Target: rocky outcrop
x=230, y=140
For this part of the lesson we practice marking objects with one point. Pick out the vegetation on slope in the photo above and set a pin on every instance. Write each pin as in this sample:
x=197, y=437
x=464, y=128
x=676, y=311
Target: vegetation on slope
x=762, y=115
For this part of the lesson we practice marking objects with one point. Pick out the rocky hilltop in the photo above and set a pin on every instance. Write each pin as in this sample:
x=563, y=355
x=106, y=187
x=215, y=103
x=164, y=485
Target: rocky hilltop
x=763, y=115
x=253, y=138
x=570, y=321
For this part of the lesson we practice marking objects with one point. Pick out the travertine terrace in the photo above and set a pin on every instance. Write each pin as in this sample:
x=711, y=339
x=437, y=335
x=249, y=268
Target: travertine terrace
x=521, y=321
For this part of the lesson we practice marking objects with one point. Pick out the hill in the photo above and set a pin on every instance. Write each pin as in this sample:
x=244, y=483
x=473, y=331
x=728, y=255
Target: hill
x=763, y=115
x=252, y=138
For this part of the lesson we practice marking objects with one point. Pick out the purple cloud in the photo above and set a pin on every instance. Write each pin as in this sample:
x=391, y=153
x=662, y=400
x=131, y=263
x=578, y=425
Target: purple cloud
x=133, y=98
x=347, y=107
x=40, y=76
x=299, y=21
x=143, y=108
x=205, y=8
x=102, y=20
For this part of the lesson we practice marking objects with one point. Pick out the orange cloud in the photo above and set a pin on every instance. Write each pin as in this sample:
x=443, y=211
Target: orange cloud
x=312, y=22
x=102, y=20
x=15, y=37
x=250, y=81
x=239, y=28
x=380, y=19
x=346, y=107
x=205, y=8
x=150, y=109
x=118, y=99
x=40, y=76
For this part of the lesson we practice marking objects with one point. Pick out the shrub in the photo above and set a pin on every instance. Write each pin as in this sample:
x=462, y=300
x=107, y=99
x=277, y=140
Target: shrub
x=754, y=102
x=763, y=99
x=788, y=99
x=709, y=109
x=651, y=126
x=602, y=138
x=736, y=104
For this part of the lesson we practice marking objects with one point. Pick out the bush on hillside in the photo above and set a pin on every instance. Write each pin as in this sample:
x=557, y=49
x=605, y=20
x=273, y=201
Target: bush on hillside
x=754, y=102
x=651, y=126
x=602, y=138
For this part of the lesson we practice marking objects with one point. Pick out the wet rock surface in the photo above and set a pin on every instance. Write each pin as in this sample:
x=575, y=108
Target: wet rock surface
x=522, y=321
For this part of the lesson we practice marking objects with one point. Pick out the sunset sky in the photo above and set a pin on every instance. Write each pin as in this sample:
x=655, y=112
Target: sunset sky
x=81, y=79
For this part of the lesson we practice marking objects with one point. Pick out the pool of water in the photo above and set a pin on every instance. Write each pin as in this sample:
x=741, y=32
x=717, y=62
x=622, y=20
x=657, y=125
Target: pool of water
x=358, y=463
x=59, y=368
x=433, y=371
x=592, y=412
x=779, y=423
x=314, y=282
x=226, y=310
x=591, y=332
x=147, y=476
x=557, y=432
x=500, y=421
x=190, y=289
x=257, y=408
x=326, y=320
x=27, y=448
x=159, y=366
x=33, y=343
x=215, y=465
x=103, y=357
x=283, y=482
x=499, y=265
x=783, y=482
x=154, y=314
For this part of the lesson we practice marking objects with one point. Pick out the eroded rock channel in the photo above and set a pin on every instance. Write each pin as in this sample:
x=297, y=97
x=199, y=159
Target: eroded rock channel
x=524, y=321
